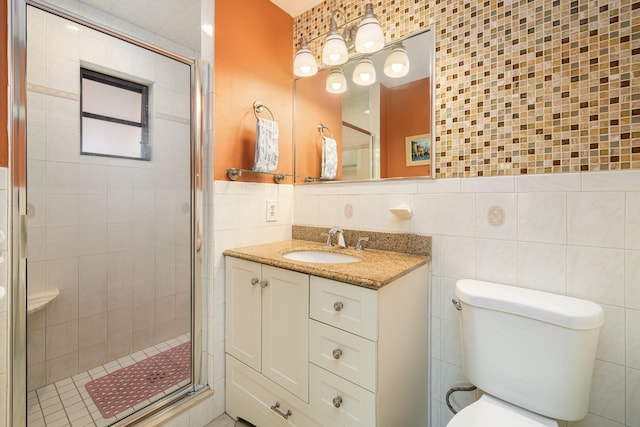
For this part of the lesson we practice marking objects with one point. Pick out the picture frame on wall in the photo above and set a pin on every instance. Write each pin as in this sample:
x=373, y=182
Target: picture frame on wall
x=418, y=149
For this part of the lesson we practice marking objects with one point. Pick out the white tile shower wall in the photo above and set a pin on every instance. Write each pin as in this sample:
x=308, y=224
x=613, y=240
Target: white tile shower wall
x=208, y=357
x=111, y=234
x=574, y=234
x=84, y=9
x=4, y=320
x=238, y=220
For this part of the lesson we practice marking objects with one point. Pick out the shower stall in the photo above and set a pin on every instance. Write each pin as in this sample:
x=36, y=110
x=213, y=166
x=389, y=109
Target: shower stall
x=106, y=189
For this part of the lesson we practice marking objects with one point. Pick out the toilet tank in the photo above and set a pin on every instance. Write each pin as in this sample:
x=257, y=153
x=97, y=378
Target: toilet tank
x=533, y=349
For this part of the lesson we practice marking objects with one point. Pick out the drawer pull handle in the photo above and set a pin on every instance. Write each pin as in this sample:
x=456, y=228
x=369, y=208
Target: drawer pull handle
x=338, y=306
x=337, y=353
x=264, y=284
x=254, y=281
x=337, y=401
x=279, y=412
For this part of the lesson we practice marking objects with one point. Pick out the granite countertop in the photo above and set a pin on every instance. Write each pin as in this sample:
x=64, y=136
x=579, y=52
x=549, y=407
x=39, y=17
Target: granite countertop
x=377, y=268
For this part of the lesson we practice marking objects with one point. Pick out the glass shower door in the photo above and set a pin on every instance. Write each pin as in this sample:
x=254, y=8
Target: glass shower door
x=109, y=228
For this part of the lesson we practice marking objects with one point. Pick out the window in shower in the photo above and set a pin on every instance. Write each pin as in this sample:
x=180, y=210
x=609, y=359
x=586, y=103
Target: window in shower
x=114, y=117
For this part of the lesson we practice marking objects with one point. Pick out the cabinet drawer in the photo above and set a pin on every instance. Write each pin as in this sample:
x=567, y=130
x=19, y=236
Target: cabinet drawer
x=251, y=396
x=340, y=399
x=342, y=353
x=348, y=307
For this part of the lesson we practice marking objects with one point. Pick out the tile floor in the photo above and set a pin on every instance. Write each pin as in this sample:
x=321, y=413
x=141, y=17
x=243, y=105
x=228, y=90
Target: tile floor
x=226, y=421
x=67, y=403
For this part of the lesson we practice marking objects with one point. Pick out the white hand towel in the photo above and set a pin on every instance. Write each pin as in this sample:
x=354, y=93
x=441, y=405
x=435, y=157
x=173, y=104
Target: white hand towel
x=266, y=159
x=329, y=158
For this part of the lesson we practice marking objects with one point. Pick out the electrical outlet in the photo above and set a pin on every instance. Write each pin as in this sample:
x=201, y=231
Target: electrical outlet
x=272, y=210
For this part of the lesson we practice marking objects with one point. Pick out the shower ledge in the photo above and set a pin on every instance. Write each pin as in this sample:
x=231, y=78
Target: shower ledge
x=38, y=300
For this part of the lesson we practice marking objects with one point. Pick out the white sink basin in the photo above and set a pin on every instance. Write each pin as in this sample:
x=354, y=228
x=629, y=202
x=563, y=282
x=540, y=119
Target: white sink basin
x=321, y=257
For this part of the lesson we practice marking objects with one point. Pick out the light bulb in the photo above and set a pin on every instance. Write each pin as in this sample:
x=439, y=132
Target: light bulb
x=364, y=74
x=336, y=82
x=369, y=37
x=334, y=51
x=304, y=63
x=397, y=63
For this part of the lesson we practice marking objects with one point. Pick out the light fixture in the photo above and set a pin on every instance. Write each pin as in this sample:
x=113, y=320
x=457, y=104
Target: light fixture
x=334, y=51
x=370, y=37
x=304, y=64
x=365, y=73
x=367, y=37
x=336, y=82
x=397, y=63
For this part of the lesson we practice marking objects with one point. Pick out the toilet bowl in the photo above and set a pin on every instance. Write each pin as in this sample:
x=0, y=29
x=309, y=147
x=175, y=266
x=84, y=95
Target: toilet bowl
x=489, y=411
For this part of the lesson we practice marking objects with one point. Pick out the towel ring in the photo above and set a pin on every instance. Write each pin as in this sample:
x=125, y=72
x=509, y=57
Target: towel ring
x=321, y=129
x=257, y=109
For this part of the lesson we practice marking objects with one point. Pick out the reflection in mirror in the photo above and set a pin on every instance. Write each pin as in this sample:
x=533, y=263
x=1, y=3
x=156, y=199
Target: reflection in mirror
x=383, y=130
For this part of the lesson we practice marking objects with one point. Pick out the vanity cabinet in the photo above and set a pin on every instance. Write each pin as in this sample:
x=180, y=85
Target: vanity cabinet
x=363, y=351
x=266, y=320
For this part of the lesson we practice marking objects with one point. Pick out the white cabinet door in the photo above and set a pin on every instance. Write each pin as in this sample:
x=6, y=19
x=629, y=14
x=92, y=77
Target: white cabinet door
x=285, y=317
x=243, y=311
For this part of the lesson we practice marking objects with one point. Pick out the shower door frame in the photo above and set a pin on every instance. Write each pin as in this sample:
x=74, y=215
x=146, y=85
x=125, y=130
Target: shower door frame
x=17, y=210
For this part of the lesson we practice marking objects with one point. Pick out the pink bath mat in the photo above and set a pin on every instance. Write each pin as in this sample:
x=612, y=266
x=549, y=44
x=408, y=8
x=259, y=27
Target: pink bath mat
x=126, y=387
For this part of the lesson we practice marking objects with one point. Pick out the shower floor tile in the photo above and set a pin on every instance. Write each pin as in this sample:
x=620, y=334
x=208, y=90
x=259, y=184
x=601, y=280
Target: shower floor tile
x=67, y=402
x=225, y=420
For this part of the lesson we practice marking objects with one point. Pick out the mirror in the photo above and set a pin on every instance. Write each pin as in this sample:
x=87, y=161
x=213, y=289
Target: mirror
x=382, y=131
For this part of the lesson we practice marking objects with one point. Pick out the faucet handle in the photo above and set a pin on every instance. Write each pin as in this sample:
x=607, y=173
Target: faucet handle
x=359, y=244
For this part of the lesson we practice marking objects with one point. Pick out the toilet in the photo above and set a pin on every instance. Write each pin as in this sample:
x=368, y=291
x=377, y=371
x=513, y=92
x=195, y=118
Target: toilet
x=530, y=352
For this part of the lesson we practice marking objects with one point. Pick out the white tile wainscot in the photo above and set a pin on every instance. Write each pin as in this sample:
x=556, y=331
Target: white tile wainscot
x=575, y=234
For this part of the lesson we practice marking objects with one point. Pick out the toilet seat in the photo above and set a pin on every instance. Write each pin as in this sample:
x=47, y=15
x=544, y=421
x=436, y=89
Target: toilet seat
x=489, y=411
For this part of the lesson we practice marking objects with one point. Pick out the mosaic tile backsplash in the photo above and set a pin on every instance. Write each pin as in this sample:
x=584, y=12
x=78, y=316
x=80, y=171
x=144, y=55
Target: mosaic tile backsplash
x=522, y=86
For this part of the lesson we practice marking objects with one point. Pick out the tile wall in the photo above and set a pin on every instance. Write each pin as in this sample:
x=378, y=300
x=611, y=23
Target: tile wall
x=540, y=88
x=209, y=361
x=4, y=319
x=239, y=219
x=523, y=86
x=576, y=234
x=111, y=234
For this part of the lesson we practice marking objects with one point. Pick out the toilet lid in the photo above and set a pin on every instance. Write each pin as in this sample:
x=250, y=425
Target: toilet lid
x=492, y=412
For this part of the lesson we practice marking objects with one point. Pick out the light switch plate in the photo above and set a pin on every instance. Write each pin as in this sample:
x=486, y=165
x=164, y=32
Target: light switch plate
x=272, y=210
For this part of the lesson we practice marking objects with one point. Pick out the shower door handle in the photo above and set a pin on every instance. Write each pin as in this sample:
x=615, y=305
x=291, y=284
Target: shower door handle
x=23, y=235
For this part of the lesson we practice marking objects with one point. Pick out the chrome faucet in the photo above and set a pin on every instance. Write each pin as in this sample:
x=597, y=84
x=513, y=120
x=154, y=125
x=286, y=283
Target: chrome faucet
x=340, y=233
x=359, y=244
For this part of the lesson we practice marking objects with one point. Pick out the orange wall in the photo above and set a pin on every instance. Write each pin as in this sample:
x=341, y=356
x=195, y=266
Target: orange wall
x=315, y=105
x=404, y=113
x=4, y=83
x=253, y=61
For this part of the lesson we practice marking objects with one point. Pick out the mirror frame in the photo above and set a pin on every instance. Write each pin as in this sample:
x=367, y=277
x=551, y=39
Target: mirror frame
x=300, y=179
